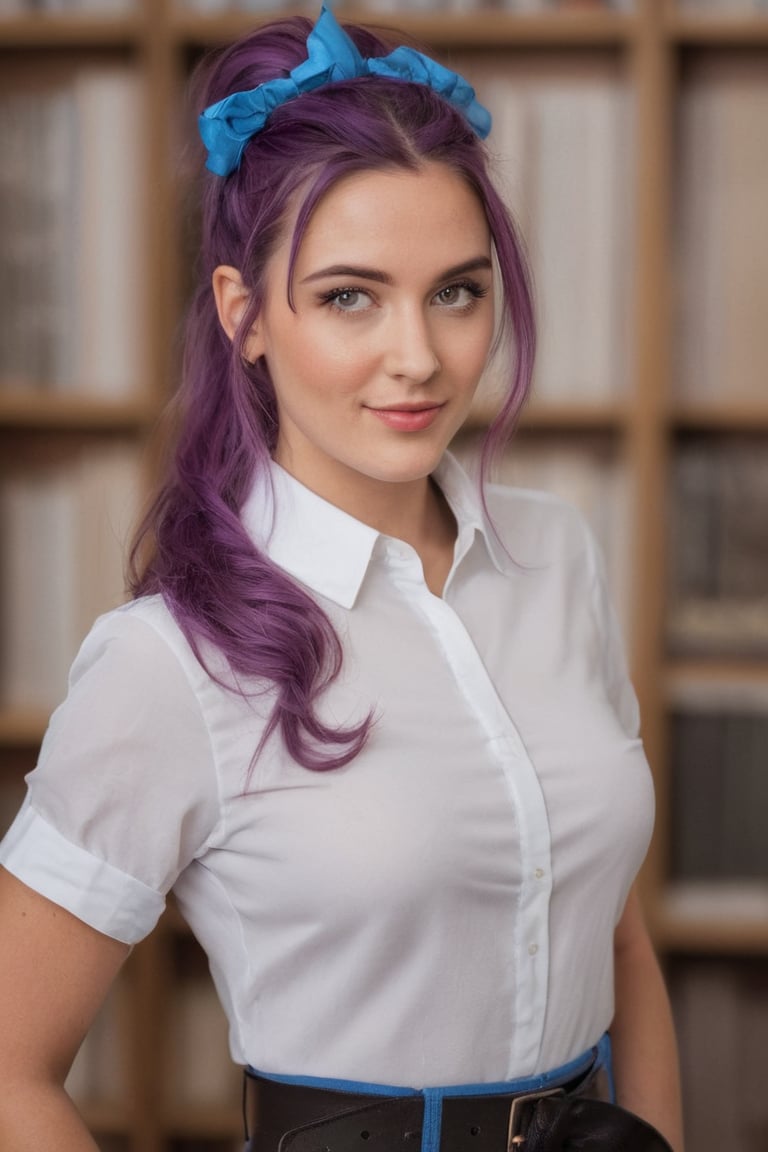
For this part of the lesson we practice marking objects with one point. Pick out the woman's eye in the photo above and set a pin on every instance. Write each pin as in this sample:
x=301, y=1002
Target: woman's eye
x=349, y=299
x=459, y=295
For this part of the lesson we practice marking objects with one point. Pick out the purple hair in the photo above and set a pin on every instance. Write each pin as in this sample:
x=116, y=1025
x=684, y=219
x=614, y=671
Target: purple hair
x=220, y=588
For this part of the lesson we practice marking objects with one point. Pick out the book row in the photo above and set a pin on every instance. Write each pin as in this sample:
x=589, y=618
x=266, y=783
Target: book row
x=719, y=797
x=64, y=530
x=567, y=125
x=720, y=254
x=717, y=546
x=71, y=234
x=721, y=1013
x=740, y=6
x=95, y=7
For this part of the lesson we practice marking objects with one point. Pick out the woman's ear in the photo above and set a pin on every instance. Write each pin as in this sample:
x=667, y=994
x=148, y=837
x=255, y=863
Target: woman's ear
x=232, y=298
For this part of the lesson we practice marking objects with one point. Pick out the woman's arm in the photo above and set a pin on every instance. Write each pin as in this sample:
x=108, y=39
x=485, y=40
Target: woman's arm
x=55, y=972
x=642, y=1033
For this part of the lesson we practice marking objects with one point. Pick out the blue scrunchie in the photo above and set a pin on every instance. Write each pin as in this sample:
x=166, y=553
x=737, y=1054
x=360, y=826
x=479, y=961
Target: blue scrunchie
x=226, y=127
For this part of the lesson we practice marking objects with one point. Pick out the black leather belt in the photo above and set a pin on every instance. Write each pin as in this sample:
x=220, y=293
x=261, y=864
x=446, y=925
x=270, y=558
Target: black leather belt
x=283, y=1117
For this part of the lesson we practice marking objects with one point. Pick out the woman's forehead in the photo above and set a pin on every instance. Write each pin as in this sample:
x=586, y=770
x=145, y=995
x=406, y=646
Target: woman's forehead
x=383, y=218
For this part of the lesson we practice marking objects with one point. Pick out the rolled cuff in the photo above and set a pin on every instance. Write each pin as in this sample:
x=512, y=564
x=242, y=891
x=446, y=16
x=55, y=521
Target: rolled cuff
x=91, y=889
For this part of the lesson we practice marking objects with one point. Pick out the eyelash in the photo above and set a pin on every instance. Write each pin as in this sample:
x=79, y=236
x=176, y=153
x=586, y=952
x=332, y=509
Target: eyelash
x=335, y=294
x=477, y=291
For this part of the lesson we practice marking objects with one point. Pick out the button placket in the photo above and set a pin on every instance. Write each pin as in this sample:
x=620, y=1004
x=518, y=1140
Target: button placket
x=526, y=796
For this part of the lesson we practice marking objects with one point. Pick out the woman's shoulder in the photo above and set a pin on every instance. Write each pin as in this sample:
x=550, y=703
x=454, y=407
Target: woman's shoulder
x=140, y=653
x=141, y=647
x=537, y=521
x=137, y=630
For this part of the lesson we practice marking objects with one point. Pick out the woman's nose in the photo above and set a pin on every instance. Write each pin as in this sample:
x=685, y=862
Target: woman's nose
x=411, y=353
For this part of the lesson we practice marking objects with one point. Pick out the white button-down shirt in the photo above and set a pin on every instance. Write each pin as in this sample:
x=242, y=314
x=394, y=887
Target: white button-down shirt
x=439, y=911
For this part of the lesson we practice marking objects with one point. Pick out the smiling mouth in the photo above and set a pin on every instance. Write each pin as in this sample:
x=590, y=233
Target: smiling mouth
x=408, y=417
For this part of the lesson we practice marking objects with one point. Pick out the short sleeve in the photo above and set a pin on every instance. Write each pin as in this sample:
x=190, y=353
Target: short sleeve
x=618, y=686
x=125, y=794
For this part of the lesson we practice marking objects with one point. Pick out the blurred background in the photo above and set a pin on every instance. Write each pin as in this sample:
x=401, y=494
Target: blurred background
x=631, y=141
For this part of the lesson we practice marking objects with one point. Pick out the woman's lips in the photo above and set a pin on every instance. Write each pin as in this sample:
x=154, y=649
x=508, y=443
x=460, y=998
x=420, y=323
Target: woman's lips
x=407, y=419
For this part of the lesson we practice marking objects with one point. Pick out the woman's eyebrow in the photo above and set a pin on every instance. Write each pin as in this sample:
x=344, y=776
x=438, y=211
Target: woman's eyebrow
x=359, y=272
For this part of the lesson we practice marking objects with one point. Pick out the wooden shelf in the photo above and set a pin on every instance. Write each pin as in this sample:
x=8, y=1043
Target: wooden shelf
x=53, y=31
x=606, y=418
x=609, y=417
x=476, y=30
x=715, y=30
x=730, y=921
x=22, y=728
x=47, y=411
x=713, y=938
x=736, y=416
x=717, y=687
x=207, y=1122
x=716, y=671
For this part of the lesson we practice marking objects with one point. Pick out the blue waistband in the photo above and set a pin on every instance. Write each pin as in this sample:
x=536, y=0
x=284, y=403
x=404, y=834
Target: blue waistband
x=593, y=1058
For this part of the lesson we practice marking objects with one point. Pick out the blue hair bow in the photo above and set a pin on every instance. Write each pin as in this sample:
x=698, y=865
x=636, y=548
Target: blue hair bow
x=226, y=127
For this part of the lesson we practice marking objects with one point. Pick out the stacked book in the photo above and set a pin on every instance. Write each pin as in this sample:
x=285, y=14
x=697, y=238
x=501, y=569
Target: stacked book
x=721, y=1011
x=65, y=7
x=719, y=798
x=561, y=143
x=721, y=258
x=718, y=547
x=64, y=528
x=71, y=224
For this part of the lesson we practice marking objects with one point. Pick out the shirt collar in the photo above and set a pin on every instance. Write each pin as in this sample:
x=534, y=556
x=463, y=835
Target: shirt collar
x=327, y=549
x=463, y=496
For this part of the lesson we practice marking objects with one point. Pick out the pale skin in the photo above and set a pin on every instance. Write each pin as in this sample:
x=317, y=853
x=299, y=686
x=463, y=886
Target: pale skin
x=55, y=972
x=393, y=290
x=642, y=1032
x=393, y=319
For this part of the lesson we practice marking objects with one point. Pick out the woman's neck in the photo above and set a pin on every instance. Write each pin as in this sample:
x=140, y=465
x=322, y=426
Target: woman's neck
x=421, y=518
x=415, y=512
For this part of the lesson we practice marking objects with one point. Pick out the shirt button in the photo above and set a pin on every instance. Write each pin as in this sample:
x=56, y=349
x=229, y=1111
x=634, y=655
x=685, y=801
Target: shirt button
x=532, y=949
x=539, y=874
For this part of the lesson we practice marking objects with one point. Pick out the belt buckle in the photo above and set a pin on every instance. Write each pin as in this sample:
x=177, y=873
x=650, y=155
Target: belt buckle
x=515, y=1136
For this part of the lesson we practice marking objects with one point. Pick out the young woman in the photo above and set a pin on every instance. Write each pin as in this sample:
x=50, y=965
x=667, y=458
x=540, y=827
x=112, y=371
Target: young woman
x=373, y=727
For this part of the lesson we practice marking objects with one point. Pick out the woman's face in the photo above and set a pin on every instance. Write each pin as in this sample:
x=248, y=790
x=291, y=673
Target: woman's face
x=376, y=368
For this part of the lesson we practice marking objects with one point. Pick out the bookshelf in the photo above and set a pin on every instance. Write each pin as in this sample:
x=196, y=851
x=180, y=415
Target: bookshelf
x=670, y=67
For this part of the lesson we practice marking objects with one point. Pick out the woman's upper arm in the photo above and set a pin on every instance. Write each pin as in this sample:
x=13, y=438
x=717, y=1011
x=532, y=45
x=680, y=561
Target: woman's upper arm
x=55, y=972
x=631, y=928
